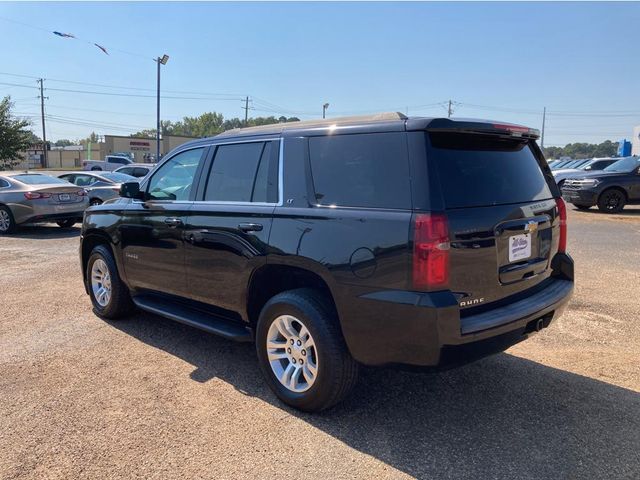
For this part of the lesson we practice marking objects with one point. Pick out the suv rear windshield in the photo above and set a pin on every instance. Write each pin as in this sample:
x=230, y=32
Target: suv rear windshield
x=481, y=170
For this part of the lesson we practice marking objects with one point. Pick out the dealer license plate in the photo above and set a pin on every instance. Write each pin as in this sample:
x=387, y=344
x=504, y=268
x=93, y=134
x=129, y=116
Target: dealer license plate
x=519, y=247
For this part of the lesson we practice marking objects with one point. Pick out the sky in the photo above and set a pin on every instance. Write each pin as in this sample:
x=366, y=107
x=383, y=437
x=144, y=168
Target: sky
x=502, y=61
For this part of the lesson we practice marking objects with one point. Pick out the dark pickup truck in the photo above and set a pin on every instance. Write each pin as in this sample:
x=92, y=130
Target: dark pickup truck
x=610, y=189
x=381, y=240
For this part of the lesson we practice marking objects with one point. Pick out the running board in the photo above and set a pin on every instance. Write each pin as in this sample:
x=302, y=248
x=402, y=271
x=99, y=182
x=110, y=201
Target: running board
x=194, y=318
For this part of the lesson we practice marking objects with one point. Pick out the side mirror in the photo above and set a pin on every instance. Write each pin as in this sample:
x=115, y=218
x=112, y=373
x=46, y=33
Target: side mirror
x=588, y=168
x=131, y=190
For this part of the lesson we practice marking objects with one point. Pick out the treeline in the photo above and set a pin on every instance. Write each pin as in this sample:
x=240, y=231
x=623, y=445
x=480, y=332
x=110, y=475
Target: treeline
x=583, y=150
x=209, y=124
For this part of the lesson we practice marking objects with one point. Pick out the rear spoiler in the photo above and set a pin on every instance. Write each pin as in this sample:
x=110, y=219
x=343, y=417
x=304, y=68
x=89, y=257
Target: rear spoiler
x=474, y=126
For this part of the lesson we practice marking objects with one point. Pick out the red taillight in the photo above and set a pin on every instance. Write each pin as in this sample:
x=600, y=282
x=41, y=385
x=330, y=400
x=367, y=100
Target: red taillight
x=36, y=195
x=430, y=251
x=562, y=213
x=511, y=128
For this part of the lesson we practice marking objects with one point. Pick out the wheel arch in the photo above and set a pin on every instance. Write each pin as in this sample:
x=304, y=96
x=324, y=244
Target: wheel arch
x=274, y=278
x=91, y=240
x=614, y=187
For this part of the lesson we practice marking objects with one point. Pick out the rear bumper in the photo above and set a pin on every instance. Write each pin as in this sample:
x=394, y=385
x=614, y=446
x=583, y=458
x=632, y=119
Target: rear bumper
x=580, y=197
x=35, y=212
x=427, y=330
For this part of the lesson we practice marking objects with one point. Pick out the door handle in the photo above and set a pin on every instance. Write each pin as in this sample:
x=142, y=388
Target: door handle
x=173, y=222
x=250, y=227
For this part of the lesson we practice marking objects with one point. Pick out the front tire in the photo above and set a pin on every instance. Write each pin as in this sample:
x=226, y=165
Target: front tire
x=611, y=201
x=7, y=222
x=95, y=201
x=66, y=223
x=109, y=295
x=302, y=353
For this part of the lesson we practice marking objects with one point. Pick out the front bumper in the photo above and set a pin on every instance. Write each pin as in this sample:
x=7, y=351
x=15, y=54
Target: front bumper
x=580, y=197
x=427, y=329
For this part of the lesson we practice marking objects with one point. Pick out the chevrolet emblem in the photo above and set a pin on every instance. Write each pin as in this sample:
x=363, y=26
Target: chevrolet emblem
x=532, y=226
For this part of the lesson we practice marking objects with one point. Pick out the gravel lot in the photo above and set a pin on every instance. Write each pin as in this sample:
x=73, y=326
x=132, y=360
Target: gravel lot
x=148, y=398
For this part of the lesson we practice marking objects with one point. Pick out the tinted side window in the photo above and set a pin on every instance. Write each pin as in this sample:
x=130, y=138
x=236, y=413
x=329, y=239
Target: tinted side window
x=368, y=170
x=265, y=187
x=173, y=180
x=233, y=172
x=3, y=183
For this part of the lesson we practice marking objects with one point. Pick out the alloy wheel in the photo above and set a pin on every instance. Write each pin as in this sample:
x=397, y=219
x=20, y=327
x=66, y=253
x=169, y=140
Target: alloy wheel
x=5, y=221
x=101, y=282
x=292, y=353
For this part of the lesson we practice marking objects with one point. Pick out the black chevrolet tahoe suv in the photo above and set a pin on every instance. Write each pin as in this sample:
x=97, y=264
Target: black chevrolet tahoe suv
x=610, y=189
x=381, y=240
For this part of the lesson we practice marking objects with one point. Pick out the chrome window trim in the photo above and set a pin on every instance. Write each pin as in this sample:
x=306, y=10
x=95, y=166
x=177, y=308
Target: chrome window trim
x=280, y=201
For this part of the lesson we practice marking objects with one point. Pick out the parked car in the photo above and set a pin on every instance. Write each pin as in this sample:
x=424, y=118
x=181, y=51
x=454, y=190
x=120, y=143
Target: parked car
x=610, y=189
x=561, y=164
x=137, y=170
x=110, y=163
x=380, y=240
x=101, y=186
x=594, y=164
x=37, y=198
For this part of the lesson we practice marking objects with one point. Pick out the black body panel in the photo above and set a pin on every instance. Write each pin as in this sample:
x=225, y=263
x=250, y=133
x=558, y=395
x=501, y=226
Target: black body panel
x=207, y=253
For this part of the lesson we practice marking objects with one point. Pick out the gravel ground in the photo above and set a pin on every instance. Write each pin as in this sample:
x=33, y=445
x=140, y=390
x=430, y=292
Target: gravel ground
x=148, y=398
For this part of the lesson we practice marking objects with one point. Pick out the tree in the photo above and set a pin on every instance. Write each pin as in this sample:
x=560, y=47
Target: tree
x=14, y=136
x=93, y=138
x=209, y=124
x=63, y=142
x=583, y=150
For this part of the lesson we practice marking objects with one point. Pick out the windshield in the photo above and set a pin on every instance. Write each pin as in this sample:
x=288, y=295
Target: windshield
x=37, y=179
x=625, y=165
x=118, y=177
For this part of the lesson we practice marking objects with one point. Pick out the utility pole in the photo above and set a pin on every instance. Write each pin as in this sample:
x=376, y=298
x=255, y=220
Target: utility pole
x=324, y=109
x=44, y=132
x=158, y=115
x=449, y=110
x=246, y=111
x=544, y=117
x=160, y=61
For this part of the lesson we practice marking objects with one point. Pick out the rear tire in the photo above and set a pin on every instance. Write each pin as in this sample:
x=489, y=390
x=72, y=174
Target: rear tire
x=7, y=222
x=611, y=201
x=109, y=295
x=316, y=371
x=67, y=223
x=95, y=201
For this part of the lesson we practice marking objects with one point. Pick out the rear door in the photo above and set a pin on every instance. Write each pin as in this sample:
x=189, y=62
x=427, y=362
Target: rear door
x=152, y=231
x=228, y=227
x=502, y=216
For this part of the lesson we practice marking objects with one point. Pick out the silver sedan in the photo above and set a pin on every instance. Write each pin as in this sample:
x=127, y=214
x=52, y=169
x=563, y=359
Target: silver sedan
x=37, y=198
x=101, y=186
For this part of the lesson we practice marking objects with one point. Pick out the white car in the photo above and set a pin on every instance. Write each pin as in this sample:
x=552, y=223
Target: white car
x=137, y=170
x=592, y=165
x=110, y=163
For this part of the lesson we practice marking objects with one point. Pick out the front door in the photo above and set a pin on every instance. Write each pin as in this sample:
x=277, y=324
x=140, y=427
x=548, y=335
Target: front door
x=228, y=226
x=152, y=230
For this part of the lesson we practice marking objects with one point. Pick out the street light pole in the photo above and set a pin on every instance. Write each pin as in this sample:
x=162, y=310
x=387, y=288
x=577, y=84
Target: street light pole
x=324, y=109
x=159, y=61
